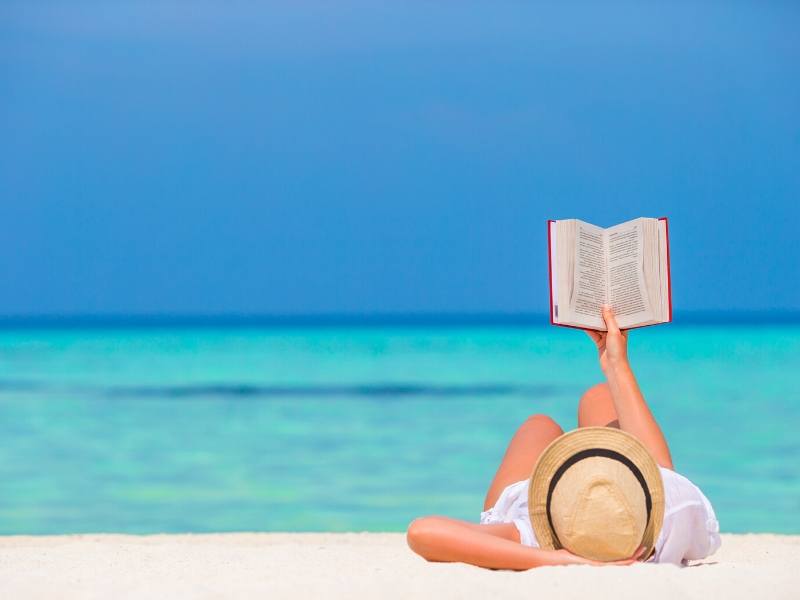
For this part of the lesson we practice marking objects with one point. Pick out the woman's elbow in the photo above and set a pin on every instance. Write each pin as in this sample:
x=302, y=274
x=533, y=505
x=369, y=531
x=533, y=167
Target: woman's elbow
x=421, y=537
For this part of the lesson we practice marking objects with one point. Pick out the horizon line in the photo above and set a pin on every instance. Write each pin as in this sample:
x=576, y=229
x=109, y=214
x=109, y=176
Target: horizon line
x=372, y=319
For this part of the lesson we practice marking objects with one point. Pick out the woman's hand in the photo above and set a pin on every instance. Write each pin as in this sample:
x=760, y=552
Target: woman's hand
x=573, y=559
x=633, y=414
x=612, y=345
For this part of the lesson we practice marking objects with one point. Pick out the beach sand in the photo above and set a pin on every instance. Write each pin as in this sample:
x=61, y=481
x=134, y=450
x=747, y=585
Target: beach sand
x=361, y=565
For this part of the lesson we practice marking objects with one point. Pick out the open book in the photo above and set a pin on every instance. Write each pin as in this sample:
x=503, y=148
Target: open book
x=626, y=266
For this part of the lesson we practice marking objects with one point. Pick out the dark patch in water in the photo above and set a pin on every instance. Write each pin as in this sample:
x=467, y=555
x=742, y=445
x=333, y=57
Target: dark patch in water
x=18, y=386
x=380, y=390
x=244, y=390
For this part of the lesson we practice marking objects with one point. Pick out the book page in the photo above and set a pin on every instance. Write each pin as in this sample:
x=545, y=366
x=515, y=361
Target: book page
x=626, y=286
x=590, y=278
x=652, y=267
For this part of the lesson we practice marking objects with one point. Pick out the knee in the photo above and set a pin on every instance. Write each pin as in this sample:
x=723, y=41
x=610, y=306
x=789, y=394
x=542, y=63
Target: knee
x=543, y=422
x=596, y=408
x=596, y=394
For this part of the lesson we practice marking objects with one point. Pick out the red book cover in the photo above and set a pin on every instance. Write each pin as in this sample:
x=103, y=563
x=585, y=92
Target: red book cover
x=550, y=276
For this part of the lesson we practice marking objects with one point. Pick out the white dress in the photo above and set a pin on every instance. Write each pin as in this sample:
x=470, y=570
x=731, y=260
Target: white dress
x=690, y=530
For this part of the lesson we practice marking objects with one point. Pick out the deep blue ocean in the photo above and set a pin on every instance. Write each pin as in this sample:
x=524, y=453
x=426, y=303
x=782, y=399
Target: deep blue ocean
x=349, y=428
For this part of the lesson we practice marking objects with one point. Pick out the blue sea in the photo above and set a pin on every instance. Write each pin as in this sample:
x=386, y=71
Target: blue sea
x=198, y=428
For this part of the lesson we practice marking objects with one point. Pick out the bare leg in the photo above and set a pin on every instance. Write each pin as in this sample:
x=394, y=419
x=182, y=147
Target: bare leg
x=531, y=438
x=596, y=408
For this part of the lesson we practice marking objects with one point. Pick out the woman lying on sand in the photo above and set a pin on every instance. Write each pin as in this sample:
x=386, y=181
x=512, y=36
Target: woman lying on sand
x=604, y=493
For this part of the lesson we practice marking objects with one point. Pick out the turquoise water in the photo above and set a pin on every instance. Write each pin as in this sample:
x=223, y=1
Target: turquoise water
x=203, y=429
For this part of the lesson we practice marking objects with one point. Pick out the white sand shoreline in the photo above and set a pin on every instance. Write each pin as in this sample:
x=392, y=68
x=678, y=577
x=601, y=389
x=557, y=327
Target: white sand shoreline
x=361, y=565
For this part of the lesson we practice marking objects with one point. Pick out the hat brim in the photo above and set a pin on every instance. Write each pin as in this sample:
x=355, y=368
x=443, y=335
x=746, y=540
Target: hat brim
x=583, y=439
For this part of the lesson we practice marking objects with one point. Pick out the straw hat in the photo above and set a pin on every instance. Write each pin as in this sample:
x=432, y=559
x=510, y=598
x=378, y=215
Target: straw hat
x=597, y=492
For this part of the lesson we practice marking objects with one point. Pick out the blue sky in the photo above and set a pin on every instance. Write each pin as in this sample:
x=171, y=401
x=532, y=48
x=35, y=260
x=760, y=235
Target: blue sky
x=199, y=157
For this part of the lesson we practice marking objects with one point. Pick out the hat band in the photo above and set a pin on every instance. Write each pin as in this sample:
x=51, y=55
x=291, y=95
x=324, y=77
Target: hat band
x=605, y=453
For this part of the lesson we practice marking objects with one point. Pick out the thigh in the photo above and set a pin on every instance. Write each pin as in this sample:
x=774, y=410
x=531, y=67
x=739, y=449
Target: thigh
x=531, y=438
x=596, y=408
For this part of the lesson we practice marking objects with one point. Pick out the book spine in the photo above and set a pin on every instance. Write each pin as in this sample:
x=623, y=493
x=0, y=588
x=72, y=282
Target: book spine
x=669, y=269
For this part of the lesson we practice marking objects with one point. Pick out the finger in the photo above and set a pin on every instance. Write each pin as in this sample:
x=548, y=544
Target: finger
x=628, y=561
x=611, y=563
x=625, y=333
x=596, y=337
x=611, y=321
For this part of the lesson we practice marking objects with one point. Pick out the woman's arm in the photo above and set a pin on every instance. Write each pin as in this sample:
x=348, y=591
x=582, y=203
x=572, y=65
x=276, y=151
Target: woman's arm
x=632, y=410
x=441, y=539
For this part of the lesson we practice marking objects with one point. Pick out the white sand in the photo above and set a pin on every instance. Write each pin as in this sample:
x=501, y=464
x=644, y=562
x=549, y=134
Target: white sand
x=362, y=565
